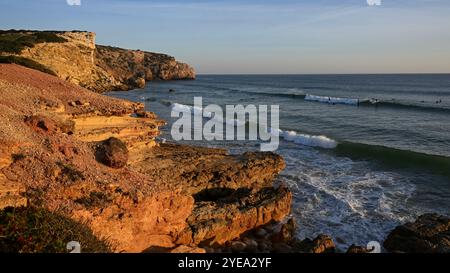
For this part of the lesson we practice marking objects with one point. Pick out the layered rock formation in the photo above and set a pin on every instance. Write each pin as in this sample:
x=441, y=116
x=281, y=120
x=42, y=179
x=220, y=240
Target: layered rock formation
x=166, y=196
x=133, y=67
x=74, y=57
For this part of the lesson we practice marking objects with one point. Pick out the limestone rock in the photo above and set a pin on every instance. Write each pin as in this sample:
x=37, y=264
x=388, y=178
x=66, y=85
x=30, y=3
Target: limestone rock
x=77, y=59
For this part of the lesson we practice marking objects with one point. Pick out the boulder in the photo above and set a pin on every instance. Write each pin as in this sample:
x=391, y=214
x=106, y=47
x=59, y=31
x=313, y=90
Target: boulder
x=112, y=153
x=430, y=233
x=139, y=82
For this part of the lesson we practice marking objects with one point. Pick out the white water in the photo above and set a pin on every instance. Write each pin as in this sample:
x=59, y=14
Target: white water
x=198, y=111
x=306, y=140
x=332, y=100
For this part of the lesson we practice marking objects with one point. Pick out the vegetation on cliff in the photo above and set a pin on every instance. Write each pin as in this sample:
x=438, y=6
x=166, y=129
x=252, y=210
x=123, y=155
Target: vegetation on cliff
x=37, y=230
x=12, y=41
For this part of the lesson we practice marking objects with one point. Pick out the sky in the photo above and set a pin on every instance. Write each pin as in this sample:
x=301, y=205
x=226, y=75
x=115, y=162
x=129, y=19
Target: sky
x=259, y=37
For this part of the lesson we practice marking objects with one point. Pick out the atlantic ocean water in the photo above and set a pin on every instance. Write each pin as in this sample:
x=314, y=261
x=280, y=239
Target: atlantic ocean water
x=364, y=153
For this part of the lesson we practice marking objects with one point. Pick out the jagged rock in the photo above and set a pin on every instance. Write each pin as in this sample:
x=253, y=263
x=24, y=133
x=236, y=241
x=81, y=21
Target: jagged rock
x=113, y=153
x=321, y=244
x=50, y=125
x=216, y=222
x=145, y=114
x=286, y=233
x=125, y=64
x=430, y=233
x=354, y=249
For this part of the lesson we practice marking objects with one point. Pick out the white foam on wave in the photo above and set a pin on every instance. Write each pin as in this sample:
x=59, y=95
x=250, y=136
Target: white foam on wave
x=332, y=100
x=344, y=198
x=198, y=111
x=306, y=140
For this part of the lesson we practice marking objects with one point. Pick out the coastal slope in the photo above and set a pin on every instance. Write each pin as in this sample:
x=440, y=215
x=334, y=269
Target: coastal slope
x=95, y=160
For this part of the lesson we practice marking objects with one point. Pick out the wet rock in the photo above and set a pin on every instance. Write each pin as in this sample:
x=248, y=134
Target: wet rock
x=281, y=247
x=252, y=245
x=286, y=233
x=261, y=233
x=321, y=244
x=354, y=249
x=141, y=113
x=264, y=246
x=238, y=246
x=112, y=153
x=430, y=233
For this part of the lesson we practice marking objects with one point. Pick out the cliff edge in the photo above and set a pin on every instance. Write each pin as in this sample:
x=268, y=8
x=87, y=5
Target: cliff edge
x=73, y=56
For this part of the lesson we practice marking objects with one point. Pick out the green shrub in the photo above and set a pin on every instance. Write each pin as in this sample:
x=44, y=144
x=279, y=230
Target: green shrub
x=15, y=41
x=27, y=63
x=35, y=230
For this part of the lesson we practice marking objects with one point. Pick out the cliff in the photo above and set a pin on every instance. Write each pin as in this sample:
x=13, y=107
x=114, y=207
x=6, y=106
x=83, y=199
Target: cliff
x=74, y=57
x=95, y=160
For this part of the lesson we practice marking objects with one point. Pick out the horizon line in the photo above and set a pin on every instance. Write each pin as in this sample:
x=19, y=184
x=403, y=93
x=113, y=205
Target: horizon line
x=323, y=74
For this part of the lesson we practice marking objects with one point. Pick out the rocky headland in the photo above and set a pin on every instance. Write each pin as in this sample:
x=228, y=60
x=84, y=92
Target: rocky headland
x=94, y=159
x=74, y=57
x=78, y=165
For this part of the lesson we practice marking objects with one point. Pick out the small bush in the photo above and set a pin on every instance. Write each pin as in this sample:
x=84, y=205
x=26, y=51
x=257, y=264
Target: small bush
x=36, y=230
x=27, y=63
x=17, y=157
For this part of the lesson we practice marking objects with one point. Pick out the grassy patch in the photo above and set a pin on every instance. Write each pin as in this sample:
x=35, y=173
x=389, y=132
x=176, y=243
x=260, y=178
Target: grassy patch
x=70, y=172
x=15, y=41
x=27, y=63
x=17, y=157
x=35, y=230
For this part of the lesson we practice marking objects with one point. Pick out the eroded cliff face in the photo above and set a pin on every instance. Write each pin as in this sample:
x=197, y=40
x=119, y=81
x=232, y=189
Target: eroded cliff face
x=163, y=196
x=77, y=59
x=134, y=67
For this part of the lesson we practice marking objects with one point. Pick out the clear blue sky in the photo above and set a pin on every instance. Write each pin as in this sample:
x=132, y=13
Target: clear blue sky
x=248, y=36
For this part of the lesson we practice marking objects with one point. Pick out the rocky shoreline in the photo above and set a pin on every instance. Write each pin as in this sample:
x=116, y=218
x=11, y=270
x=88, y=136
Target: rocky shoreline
x=94, y=160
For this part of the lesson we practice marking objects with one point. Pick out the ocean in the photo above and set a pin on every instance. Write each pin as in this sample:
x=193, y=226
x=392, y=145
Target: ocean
x=364, y=153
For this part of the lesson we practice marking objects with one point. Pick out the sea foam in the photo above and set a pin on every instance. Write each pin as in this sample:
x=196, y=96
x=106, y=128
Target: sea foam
x=332, y=100
x=306, y=140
